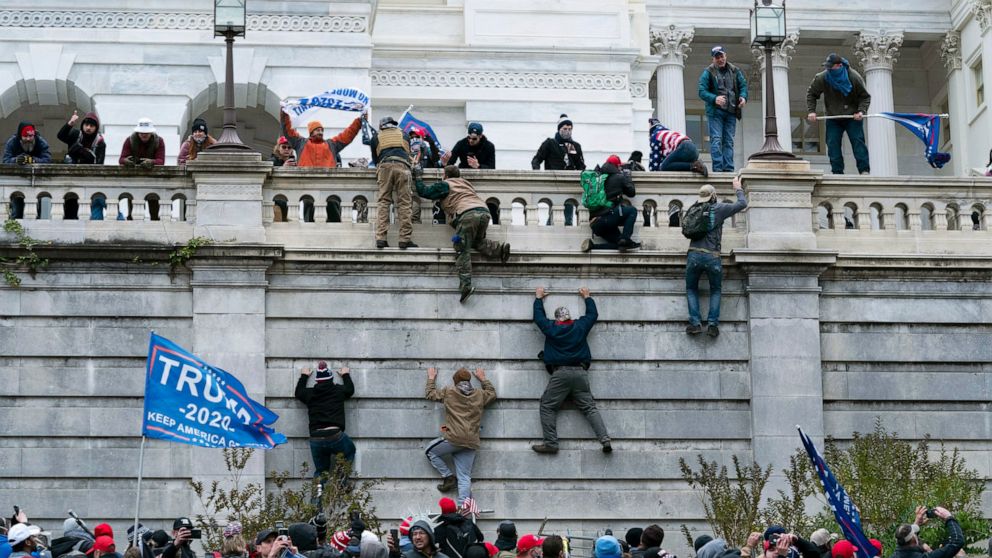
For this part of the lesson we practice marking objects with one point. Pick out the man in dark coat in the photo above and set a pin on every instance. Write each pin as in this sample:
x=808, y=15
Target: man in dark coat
x=908, y=539
x=143, y=148
x=86, y=145
x=560, y=152
x=325, y=410
x=844, y=94
x=455, y=533
x=614, y=224
x=26, y=147
x=567, y=357
x=474, y=151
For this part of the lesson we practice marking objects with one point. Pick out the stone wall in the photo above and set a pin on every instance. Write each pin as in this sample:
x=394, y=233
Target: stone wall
x=824, y=328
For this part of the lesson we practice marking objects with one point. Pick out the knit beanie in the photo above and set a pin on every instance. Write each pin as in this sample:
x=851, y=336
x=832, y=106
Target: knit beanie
x=636, y=156
x=200, y=125
x=563, y=120
x=562, y=314
x=313, y=125
x=447, y=505
x=462, y=375
x=633, y=536
x=700, y=542
x=607, y=547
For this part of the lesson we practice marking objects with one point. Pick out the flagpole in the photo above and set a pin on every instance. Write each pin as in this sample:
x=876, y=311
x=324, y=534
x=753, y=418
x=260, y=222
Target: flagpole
x=850, y=116
x=406, y=112
x=137, y=498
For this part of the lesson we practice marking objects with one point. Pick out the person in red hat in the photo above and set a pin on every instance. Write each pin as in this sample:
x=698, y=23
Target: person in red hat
x=455, y=533
x=529, y=546
x=843, y=549
x=26, y=147
x=325, y=410
x=283, y=154
x=102, y=546
x=614, y=223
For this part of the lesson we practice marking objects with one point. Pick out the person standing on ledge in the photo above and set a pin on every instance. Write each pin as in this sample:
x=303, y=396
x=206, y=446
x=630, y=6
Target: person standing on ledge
x=560, y=152
x=844, y=93
x=567, y=357
x=723, y=88
x=704, y=252
x=393, y=163
x=325, y=411
x=313, y=151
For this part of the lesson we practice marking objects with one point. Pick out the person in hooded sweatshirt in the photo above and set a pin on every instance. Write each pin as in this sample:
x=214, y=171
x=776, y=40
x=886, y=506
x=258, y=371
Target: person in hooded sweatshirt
x=86, y=145
x=454, y=532
x=26, y=147
x=560, y=152
x=143, y=148
x=567, y=357
x=506, y=539
x=614, y=224
x=198, y=140
x=325, y=410
x=463, y=407
x=422, y=537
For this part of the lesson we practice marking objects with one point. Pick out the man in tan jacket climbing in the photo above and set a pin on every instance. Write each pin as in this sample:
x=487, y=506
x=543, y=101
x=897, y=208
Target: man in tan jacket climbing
x=463, y=406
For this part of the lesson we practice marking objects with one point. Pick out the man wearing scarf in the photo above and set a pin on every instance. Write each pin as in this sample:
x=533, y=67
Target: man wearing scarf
x=463, y=406
x=86, y=145
x=560, y=152
x=844, y=93
x=567, y=357
x=26, y=147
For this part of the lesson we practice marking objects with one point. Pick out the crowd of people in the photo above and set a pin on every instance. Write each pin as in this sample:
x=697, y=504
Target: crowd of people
x=451, y=533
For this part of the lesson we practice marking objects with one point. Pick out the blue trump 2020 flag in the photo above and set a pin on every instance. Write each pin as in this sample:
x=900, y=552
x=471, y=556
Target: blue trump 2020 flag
x=192, y=402
x=927, y=128
x=845, y=512
x=409, y=122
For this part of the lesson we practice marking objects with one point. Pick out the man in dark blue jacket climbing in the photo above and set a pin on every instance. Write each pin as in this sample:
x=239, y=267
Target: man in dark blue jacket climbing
x=567, y=357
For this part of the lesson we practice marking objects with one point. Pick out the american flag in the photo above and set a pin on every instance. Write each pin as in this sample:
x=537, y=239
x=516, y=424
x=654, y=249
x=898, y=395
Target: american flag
x=470, y=508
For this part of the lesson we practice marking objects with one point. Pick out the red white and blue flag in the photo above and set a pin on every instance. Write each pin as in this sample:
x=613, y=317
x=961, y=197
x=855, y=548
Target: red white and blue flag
x=927, y=128
x=845, y=512
x=410, y=122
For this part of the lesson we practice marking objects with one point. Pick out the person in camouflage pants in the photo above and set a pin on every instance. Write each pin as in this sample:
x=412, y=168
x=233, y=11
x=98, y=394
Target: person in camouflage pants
x=468, y=214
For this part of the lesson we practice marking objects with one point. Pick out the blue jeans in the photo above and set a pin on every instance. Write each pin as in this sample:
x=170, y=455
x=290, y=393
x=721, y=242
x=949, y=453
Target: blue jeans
x=326, y=450
x=856, y=135
x=607, y=226
x=696, y=264
x=682, y=158
x=723, y=126
x=462, y=458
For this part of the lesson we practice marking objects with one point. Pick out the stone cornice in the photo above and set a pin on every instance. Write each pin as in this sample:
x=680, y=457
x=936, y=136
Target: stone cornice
x=982, y=10
x=186, y=21
x=878, y=50
x=950, y=51
x=498, y=80
x=672, y=43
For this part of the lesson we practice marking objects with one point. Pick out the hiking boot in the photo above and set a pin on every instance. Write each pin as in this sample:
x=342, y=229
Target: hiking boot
x=449, y=484
x=713, y=331
x=699, y=168
x=407, y=244
x=694, y=329
x=504, y=252
x=587, y=245
x=625, y=244
x=607, y=448
x=544, y=448
x=380, y=244
x=466, y=293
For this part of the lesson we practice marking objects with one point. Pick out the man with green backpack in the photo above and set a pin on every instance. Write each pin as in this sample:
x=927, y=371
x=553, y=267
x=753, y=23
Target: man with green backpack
x=603, y=190
x=703, y=226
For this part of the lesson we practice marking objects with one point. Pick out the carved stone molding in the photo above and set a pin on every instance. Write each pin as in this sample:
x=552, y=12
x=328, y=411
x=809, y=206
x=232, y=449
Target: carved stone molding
x=498, y=80
x=781, y=54
x=672, y=43
x=638, y=89
x=878, y=50
x=780, y=199
x=982, y=10
x=950, y=51
x=188, y=21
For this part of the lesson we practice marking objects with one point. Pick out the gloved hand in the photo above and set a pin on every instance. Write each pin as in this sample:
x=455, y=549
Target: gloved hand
x=23, y=159
x=147, y=163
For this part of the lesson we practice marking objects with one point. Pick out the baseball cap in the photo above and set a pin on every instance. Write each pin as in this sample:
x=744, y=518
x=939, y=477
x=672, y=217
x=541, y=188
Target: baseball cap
x=706, y=193
x=528, y=542
x=832, y=58
x=102, y=543
x=906, y=532
x=717, y=50
x=266, y=533
x=21, y=532
x=182, y=523
x=820, y=537
x=843, y=549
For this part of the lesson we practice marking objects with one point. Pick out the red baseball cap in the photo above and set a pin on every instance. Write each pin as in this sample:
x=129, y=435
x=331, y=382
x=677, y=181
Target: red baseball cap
x=843, y=549
x=405, y=526
x=103, y=544
x=491, y=549
x=614, y=159
x=877, y=544
x=528, y=542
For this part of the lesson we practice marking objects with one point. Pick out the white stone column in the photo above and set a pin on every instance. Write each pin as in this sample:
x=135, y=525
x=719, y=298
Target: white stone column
x=672, y=45
x=982, y=10
x=878, y=53
x=781, y=56
x=950, y=53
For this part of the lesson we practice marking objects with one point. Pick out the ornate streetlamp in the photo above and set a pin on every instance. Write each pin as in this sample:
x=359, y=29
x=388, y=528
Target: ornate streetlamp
x=230, y=17
x=768, y=31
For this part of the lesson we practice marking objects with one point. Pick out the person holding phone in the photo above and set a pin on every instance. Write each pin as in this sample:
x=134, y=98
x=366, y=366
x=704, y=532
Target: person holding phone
x=283, y=154
x=474, y=151
x=182, y=534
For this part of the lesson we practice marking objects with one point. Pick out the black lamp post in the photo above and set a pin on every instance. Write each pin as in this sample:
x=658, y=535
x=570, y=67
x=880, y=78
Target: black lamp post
x=767, y=31
x=230, y=17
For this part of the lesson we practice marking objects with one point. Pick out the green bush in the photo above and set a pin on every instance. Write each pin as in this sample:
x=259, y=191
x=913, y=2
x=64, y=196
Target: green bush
x=730, y=505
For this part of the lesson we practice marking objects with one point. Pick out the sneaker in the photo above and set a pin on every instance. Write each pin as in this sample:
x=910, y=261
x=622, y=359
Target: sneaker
x=607, y=448
x=699, y=168
x=693, y=329
x=544, y=448
x=624, y=244
x=633, y=245
x=587, y=245
x=713, y=331
x=865, y=172
x=504, y=252
x=466, y=293
x=449, y=484
x=380, y=244
x=407, y=244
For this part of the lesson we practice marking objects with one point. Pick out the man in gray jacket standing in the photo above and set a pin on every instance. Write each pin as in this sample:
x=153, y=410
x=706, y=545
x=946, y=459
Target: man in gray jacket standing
x=704, y=257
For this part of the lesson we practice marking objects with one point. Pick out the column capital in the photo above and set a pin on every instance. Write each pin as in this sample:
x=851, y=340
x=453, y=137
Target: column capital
x=672, y=43
x=781, y=54
x=950, y=51
x=878, y=50
x=982, y=10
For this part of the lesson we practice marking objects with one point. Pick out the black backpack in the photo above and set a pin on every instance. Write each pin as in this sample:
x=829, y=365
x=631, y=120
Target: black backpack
x=457, y=538
x=699, y=220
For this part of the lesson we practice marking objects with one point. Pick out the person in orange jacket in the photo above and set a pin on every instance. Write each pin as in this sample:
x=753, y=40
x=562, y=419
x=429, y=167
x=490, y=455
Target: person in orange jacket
x=313, y=151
